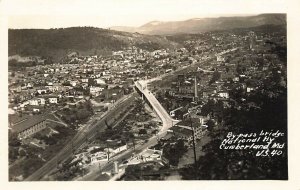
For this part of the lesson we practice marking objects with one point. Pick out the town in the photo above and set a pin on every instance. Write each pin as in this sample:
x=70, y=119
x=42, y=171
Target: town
x=86, y=118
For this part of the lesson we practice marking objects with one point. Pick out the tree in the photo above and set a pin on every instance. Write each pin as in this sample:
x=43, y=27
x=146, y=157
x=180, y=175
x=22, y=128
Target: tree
x=216, y=76
x=220, y=164
x=211, y=124
x=174, y=152
x=13, y=154
x=142, y=131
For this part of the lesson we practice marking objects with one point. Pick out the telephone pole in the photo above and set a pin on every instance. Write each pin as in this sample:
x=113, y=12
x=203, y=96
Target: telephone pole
x=193, y=136
x=133, y=142
x=107, y=151
x=194, y=148
x=72, y=143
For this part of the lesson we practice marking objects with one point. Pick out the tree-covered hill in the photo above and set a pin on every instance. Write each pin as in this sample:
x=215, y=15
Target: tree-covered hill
x=85, y=40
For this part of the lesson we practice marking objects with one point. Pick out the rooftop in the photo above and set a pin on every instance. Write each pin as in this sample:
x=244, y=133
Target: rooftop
x=22, y=123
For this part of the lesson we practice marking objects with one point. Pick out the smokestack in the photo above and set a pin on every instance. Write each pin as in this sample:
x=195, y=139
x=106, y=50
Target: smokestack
x=196, y=90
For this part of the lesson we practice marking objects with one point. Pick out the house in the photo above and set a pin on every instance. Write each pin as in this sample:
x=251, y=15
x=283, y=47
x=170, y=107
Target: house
x=53, y=100
x=236, y=79
x=73, y=83
x=86, y=80
x=250, y=89
x=100, y=81
x=23, y=105
x=42, y=91
x=37, y=101
x=95, y=90
x=29, y=85
x=53, y=88
x=223, y=94
x=220, y=58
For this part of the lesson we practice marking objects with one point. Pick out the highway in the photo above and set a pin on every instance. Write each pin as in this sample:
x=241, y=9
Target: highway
x=167, y=121
x=96, y=125
x=158, y=108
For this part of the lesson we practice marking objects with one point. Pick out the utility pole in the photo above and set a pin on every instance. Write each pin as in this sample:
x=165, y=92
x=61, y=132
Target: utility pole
x=194, y=148
x=107, y=151
x=133, y=142
x=57, y=163
x=85, y=136
x=72, y=143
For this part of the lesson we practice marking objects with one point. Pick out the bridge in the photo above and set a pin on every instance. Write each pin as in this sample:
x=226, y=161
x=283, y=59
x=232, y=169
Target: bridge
x=147, y=96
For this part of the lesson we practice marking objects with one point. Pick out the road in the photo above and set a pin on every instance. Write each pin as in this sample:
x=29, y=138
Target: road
x=167, y=123
x=158, y=108
x=96, y=125
x=160, y=77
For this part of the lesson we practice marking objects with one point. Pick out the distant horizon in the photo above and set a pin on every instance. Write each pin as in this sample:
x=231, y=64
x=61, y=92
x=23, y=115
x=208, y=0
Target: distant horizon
x=14, y=19
x=46, y=14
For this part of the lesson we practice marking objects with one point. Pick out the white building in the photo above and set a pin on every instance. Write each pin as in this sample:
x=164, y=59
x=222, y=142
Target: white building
x=85, y=80
x=37, y=101
x=53, y=100
x=250, y=89
x=73, y=83
x=95, y=90
x=224, y=94
x=100, y=81
x=98, y=157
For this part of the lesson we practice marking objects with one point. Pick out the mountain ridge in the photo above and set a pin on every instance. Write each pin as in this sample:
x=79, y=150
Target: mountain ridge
x=197, y=25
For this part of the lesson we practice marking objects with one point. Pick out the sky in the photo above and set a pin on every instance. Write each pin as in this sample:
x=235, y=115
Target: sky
x=104, y=14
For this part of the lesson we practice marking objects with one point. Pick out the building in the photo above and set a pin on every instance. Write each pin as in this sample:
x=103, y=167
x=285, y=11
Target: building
x=151, y=155
x=99, y=157
x=220, y=58
x=250, y=89
x=184, y=130
x=186, y=88
x=28, y=126
x=223, y=94
x=96, y=90
x=100, y=81
x=37, y=101
x=53, y=100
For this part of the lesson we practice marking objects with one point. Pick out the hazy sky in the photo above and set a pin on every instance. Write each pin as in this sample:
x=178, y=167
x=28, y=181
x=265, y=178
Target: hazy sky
x=99, y=13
